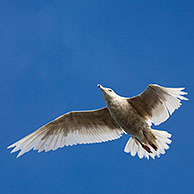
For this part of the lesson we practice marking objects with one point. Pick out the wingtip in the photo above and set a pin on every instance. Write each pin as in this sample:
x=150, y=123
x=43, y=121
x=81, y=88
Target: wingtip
x=186, y=99
x=20, y=154
x=10, y=146
x=12, y=151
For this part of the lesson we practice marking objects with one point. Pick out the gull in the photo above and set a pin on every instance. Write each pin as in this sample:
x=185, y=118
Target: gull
x=133, y=116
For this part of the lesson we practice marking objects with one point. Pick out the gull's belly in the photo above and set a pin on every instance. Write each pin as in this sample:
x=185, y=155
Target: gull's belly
x=128, y=118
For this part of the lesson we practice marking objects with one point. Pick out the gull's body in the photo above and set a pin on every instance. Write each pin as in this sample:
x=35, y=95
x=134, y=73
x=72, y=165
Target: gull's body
x=133, y=116
x=126, y=116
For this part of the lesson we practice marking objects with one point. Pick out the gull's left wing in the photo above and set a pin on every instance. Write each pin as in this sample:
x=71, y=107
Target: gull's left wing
x=156, y=103
x=77, y=127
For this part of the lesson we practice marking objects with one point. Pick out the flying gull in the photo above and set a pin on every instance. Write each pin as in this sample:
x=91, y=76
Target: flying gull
x=133, y=116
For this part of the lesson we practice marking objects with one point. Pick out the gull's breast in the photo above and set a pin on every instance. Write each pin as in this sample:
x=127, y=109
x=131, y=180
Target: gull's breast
x=127, y=117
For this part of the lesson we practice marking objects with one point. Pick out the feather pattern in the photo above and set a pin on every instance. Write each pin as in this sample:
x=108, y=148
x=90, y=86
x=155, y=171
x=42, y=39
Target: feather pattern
x=157, y=103
x=162, y=141
x=78, y=127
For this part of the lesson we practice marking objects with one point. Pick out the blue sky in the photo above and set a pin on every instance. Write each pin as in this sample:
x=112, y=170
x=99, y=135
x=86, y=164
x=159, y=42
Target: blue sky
x=52, y=56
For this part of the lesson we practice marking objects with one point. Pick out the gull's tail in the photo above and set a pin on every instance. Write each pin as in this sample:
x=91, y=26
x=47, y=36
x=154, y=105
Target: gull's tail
x=145, y=150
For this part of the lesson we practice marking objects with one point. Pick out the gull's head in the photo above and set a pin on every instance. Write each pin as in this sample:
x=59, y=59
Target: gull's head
x=107, y=92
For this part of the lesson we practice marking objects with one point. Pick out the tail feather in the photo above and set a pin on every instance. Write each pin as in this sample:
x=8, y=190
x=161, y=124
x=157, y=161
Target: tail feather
x=134, y=146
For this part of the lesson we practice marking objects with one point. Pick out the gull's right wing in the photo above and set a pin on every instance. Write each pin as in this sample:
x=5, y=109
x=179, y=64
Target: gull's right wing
x=77, y=127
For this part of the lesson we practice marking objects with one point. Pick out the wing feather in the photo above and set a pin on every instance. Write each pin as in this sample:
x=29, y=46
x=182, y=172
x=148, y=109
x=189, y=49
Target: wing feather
x=157, y=103
x=78, y=127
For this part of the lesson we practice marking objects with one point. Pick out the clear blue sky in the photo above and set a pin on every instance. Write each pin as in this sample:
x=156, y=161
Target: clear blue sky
x=52, y=56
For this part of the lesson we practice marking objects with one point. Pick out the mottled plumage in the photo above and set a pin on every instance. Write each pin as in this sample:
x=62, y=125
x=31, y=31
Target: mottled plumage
x=130, y=115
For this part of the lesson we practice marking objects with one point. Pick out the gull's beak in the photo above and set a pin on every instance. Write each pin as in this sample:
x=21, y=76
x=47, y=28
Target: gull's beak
x=100, y=86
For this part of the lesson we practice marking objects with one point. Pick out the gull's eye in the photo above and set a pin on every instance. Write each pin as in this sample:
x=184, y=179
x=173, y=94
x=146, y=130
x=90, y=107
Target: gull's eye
x=109, y=90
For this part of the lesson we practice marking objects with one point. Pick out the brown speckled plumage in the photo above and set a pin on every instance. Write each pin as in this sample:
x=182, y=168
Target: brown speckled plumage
x=130, y=115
